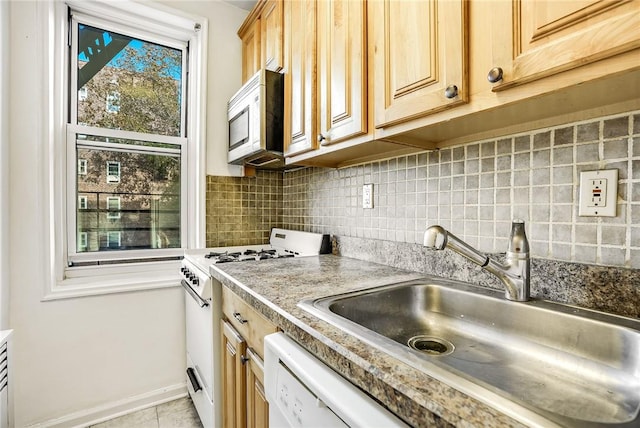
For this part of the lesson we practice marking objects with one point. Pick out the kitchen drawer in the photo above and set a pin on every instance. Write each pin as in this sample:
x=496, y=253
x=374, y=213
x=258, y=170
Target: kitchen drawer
x=247, y=321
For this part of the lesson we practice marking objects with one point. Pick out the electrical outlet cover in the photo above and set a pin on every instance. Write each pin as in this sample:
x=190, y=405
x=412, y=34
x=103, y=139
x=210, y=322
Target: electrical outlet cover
x=367, y=196
x=598, y=193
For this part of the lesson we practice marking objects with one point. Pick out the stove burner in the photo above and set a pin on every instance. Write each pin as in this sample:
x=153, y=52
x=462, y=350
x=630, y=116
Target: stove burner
x=246, y=255
x=212, y=254
x=223, y=257
x=266, y=254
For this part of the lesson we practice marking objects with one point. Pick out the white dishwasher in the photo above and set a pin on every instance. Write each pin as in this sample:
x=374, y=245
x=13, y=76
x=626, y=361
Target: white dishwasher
x=303, y=392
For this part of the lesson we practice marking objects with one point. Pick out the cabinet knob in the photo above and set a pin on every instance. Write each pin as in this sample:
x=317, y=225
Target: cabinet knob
x=451, y=91
x=321, y=138
x=495, y=75
x=244, y=359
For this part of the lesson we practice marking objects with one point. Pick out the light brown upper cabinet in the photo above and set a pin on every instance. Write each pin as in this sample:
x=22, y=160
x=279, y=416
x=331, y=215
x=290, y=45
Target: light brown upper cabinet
x=271, y=24
x=342, y=69
x=328, y=93
x=419, y=59
x=531, y=64
x=262, y=40
x=542, y=38
x=300, y=109
x=373, y=79
x=251, y=53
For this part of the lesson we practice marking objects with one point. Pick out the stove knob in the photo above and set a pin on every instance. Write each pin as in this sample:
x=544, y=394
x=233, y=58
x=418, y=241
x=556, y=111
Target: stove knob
x=195, y=281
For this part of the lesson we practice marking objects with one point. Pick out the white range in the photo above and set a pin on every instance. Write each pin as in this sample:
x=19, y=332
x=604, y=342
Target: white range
x=204, y=310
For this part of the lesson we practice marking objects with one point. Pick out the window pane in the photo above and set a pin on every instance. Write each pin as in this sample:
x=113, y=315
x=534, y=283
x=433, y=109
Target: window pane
x=128, y=84
x=140, y=211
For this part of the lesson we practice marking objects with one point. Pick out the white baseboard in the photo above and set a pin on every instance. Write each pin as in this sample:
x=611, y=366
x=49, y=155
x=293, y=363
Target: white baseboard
x=114, y=409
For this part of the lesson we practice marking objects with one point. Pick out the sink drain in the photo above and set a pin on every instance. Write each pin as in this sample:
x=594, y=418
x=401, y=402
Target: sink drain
x=431, y=345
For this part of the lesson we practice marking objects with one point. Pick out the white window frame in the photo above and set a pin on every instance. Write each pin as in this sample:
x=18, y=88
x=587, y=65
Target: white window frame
x=82, y=166
x=113, y=178
x=113, y=213
x=82, y=202
x=65, y=281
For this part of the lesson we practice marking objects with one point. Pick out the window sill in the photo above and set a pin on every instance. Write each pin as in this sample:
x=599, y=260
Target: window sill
x=162, y=275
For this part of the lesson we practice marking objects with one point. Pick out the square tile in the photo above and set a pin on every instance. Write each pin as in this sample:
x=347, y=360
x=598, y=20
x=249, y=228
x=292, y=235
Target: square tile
x=563, y=136
x=588, y=132
x=616, y=127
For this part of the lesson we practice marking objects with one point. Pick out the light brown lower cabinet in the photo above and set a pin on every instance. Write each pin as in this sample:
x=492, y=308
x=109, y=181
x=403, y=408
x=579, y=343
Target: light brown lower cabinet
x=234, y=396
x=257, y=406
x=244, y=403
x=244, y=400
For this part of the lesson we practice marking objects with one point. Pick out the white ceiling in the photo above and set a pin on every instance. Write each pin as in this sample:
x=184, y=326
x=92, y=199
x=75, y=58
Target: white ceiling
x=242, y=4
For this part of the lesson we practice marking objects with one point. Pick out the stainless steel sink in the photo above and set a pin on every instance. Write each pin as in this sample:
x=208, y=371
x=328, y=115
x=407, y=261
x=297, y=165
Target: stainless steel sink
x=541, y=362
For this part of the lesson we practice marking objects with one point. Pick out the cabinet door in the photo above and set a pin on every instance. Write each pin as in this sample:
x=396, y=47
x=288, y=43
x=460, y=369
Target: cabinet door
x=271, y=38
x=251, y=53
x=234, y=394
x=257, y=405
x=420, y=49
x=300, y=109
x=342, y=64
x=534, y=39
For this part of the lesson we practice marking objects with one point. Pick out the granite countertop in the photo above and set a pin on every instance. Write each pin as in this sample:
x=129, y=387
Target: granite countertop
x=274, y=288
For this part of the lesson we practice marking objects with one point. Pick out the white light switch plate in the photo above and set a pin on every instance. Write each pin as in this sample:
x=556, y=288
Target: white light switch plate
x=598, y=193
x=367, y=196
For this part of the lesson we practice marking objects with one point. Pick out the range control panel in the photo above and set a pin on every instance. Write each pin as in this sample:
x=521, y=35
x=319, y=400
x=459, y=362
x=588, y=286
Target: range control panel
x=197, y=280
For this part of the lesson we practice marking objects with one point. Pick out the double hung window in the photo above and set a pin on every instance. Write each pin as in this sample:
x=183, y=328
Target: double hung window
x=126, y=142
x=124, y=173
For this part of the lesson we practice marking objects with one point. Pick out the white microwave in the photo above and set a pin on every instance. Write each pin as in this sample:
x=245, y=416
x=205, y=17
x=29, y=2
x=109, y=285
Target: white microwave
x=255, y=114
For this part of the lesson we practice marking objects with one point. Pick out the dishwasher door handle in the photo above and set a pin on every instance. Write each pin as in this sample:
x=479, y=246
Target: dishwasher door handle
x=193, y=294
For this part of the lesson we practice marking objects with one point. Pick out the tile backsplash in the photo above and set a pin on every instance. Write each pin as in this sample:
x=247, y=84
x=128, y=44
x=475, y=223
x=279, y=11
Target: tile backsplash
x=242, y=211
x=476, y=189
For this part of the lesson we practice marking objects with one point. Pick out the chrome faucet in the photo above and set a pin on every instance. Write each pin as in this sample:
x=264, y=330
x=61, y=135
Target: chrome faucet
x=514, y=274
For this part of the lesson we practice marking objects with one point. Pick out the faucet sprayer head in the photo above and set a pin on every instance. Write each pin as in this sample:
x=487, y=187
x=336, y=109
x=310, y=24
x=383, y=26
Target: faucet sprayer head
x=518, y=242
x=435, y=238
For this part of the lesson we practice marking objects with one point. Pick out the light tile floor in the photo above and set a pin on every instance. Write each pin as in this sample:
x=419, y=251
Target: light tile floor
x=174, y=414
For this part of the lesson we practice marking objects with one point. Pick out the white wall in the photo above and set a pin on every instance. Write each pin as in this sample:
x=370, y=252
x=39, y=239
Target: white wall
x=4, y=165
x=225, y=63
x=73, y=356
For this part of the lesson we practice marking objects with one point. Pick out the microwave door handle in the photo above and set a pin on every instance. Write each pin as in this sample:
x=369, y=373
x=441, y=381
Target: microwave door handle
x=193, y=294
